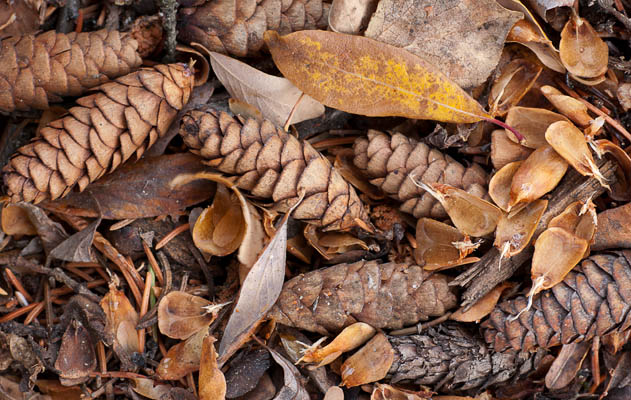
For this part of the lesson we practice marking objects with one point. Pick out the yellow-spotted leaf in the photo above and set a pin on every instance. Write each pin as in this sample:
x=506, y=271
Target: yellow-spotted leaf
x=360, y=75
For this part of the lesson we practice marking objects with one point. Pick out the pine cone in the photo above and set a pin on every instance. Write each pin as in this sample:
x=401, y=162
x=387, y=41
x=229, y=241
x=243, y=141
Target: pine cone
x=389, y=161
x=36, y=70
x=273, y=164
x=593, y=299
x=237, y=27
x=452, y=359
x=125, y=117
x=386, y=295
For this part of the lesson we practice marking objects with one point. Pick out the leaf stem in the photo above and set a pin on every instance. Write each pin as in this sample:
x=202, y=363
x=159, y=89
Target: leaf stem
x=515, y=132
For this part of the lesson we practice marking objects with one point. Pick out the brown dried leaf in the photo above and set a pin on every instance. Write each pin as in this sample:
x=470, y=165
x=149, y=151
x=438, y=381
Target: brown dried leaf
x=212, y=383
x=482, y=307
x=514, y=233
x=350, y=338
x=259, y=292
x=78, y=246
x=15, y=221
x=292, y=385
x=465, y=39
x=536, y=176
x=514, y=82
x=504, y=150
x=435, y=246
x=180, y=315
x=76, y=357
x=500, y=184
x=275, y=97
x=350, y=16
x=50, y=232
x=532, y=123
x=570, y=143
x=528, y=33
x=470, y=214
x=568, y=106
x=370, y=364
x=582, y=51
x=139, y=190
x=363, y=76
x=150, y=388
x=183, y=358
x=565, y=367
x=121, y=319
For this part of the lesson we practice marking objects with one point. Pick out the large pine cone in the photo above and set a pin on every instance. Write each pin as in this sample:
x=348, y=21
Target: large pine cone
x=391, y=161
x=125, y=117
x=386, y=295
x=36, y=70
x=593, y=299
x=272, y=164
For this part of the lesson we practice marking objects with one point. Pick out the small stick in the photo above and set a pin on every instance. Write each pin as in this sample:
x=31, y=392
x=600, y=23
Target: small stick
x=169, y=236
x=153, y=263
x=15, y=281
x=144, y=307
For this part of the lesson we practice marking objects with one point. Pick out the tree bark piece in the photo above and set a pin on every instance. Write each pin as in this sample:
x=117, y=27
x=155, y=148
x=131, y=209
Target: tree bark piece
x=36, y=70
x=272, y=164
x=388, y=296
x=390, y=161
x=124, y=118
x=592, y=300
x=448, y=357
x=485, y=274
x=236, y=27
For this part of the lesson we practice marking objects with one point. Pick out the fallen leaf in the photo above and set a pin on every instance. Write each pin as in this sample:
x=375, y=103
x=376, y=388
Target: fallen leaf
x=482, y=307
x=532, y=123
x=350, y=338
x=465, y=39
x=566, y=365
x=583, y=52
x=76, y=357
x=212, y=383
x=50, y=232
x=259, y=292
x=121, y=319
x=15, y=221
x=181, y=315
x=370, y=363
x=363, y=76
x=245, y=371
x=77, y=247
x=182, y=358
x=292, y=384
x=528, y=33
x=350, y=16
x=275, y=97
x=139, y=190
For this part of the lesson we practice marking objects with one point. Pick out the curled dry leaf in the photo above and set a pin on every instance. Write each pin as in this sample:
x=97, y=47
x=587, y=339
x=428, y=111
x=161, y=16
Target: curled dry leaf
x=329, y=244
x=464, y=38
x=274, y=96
x=622, y=188
x=482, y=307
x=436, y=249
x=536, y=176
x=350, y=338
x=15, y=221
x=181, y=315
x=350, y=72
x=150, y=388
x=500, y=184
x=504, y=150
x=292, y=385
x=570, y=143
x=583, y=52
x=514, y=82
x=212, y=383
x=568, y=106
x=514, y=233
x=182, y=358
x=532, y=123
x=470, y=214
x=529, y=34
x=370, y=364
x=121, y=319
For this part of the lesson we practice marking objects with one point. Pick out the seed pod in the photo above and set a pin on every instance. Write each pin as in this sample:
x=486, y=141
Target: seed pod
x=389, y=161
x=568, y=106
x=382, y=295
x=36, y=70
x=125, y=117
x=500, y=184
x=593, y=299
x=532, y=123
x=536, y=176
x=513, y=234
x=582, y=51
x=505, y=151
x=436, y=246
x=271, y=163
x=571, y=144
x=515, y=81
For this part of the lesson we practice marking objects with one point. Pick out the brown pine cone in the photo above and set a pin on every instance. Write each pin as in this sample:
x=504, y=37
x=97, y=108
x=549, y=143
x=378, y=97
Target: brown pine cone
x=273, y=164
x=452, y=359
x=390, y=161
x=592, y=300
x=36, y=70
x=386, y=295
x=124, y=117
x=237, y=27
